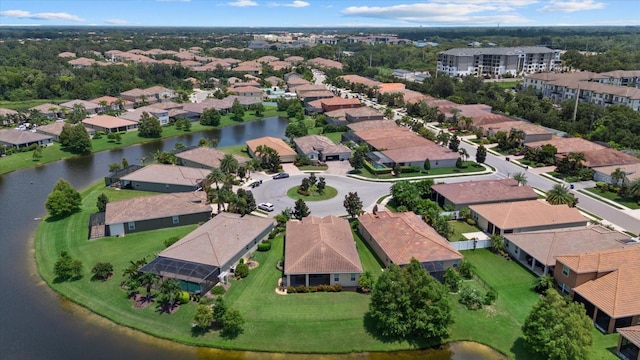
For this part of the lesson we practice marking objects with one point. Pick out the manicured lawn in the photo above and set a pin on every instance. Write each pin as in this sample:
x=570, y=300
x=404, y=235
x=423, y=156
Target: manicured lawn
x=26, y=104
x=336, y=137
x=53, y=153
x=615, y=198
x=468, y=167
x=368, y=258
x=313, y=168
x=459, y=228
x=508, y=84
x=329, y=192
x=240, y=150
x=500, y=325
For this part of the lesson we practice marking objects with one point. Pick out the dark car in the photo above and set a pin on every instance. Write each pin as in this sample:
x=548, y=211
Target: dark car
x=280, y=176
x=254, y=184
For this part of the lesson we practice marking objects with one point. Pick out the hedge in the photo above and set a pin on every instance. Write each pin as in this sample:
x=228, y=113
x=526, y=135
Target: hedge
x=301, y=289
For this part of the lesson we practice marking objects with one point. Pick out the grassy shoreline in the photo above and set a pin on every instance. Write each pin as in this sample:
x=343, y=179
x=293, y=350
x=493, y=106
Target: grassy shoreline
x=54, y=152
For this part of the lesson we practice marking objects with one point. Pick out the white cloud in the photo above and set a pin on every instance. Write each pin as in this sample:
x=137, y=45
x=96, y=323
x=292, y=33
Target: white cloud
x=21, y=14
x=298, y=4
x=243, y=3
x=116, y=21
x=571, y=6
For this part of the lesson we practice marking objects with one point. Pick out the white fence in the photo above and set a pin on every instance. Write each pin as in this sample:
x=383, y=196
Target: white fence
x=469, y=244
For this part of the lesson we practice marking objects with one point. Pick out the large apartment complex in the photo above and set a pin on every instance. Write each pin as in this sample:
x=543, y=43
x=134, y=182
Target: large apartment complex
x=497, y=61
x=610, y=88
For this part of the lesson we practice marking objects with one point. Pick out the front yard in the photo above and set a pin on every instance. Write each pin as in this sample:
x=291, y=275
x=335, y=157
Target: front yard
x=467, y=168
x=610, y=195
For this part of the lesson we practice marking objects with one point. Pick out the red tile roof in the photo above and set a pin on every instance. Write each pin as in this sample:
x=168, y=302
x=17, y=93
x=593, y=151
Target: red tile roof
x=617, y=293
x=527, y=214
x=601, y=261
x=485, y=191
x=631, y=333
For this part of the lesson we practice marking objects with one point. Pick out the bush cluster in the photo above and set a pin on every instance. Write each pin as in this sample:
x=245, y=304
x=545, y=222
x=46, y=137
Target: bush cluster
x=264, y=246
x=218, y=290
x=301, y=289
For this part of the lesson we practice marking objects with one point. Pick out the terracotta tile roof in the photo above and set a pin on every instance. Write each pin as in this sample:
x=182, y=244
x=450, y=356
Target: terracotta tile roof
x=136, y=114
x=88, y=105
x=473, y=111
x=608, y=156
x=617, y=293
x=207, y=156
x=5, y=112
x=297, y=81
x=489, y=120
x=530, y=213
x=274, y=80
x=246, y=89
x=403, y=236
x=301, y=89
x=281, y=147
x=582, y=75
x=485, y=191
x=363, y=111
x=420, y=153
x=156, y=207
x=632, y=171
x=44, y=108
x=567, y=145
x=546, y=245
x=528, y=128
x=372, y=124
x=107, y=121
x=315, y=104
x=168, y=174
x=631, y=333
x=390, y=87
x=81, y=61
x=337, y=114
x=316, y=94
x=357, y=79
x=246, y=83
x=310, y=143
x=392, y=138
x=292, y=59
x=109, y=99
x=67, y=54
x=267, y=58
x=319, y=246
x=218, y=240
x=19, y=137
x=55, y=128
x=601, y=261
x=340, y=101
x=321, y=62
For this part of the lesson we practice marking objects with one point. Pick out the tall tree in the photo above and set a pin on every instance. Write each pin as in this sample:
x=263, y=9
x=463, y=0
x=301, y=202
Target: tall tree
x=481, y=154
x=560, y=194
x=352, y=204
x=558, y=329
x=618, y=176
x=210, y=117
x=229, y=164
x=521, y=178
x=149, y=126
x=300, y=210
x=454, y=143
x=63, y=200
x=102, y=201
x=66, y=268
x=203, y=317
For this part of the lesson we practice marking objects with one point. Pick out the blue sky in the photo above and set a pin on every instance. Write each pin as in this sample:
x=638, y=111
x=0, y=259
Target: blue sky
x=320, y=13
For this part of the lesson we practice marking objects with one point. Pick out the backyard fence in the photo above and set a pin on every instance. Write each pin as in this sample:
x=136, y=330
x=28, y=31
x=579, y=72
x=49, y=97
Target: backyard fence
x=469, y=244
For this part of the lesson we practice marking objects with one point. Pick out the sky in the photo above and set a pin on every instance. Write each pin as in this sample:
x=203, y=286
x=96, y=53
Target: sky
x=320, y=13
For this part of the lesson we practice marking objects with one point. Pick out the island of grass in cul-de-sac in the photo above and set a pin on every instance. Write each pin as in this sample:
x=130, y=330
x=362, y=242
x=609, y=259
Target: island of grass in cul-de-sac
x=55, y=152
x=322, y=322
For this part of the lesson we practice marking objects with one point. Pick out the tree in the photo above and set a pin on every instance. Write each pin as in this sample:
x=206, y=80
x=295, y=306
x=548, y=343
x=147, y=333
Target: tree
x=481, y=154
x=388, y=113
x=410, y=303
x=296, y=129
x=497, y=243
x=352, y=204
x=559, y=194
x=366, y=281
x=427, y=164
x=232, y=322
x=78, y=113
x=210, y=117
x=237, y=111
x=102, y=201
x=229, y=164
x=618, y=176
x=65, y=134
x=203, y=317
x=443, y=138
x=37, y=153
x=149, y=126
x=219, y=309
x=77, y=140
x=148, y=280
x=114, y=167
x=67, y=268
x=102, y=270
x=454, y=143
x=463, y=154
x=242, y=270
x=300, y=210
x=634, y=189
x=322, y=184
x=258, y=108
x=521, y=178
x=459, y=163
x=63, y=200
x=125, y=163
x=169, y=291
x=357, y=160
x=558, y=329
x=452, y=279
x=543, y=283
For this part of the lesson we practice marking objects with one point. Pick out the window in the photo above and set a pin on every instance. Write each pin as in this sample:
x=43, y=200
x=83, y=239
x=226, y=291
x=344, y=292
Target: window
x=336, y=277
x=565, y=270
x=353, y=277
x=176, y=220
x=132, y=225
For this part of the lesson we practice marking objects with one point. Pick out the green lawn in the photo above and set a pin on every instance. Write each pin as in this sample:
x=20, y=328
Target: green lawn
x=508, y=84
x=500, y=325
x=313, y=168
x=368, y=258
x=459, y=228
x=240, y=150
x=55, y=152
x=615, y=198
x=468, y=167
x=336, y=137
x=329, y=192
x=26, y=104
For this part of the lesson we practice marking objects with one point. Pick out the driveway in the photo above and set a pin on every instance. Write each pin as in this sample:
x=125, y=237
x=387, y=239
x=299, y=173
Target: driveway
x=338, y=167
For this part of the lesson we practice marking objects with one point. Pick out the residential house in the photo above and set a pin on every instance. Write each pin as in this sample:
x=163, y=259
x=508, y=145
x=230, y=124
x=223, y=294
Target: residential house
x=55, y=129
x=165, y=178
x=336, y=103
x=538, y=250
x=325, y=63
x=23, y=138
x=606, y=157
x=90, y=107
x=362, y=114
x=396, y=238
x=112, y=103
x=566, y=145
x=321, y=251
x=149, y=95
x=532, y=133
x=209, y=254
x=47, y=110
x=248, y=91
x=108, y=124
x=8, y=116
x=205, y=158
x=464, y=194
x=321, y=148
x=523, y=216
x=155, y=212
x=603, y=173
x=374, y=124
x=286, y=153
x=136, y=114
x=606, y=282
x=629, y=342
x=67, y=54
x=81, y=62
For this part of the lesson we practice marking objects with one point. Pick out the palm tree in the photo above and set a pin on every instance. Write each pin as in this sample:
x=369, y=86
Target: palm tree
x=169, y=290
x=443, y=138
x=228, y=164
x=560, y=194
x=520, y=178
x=634, y=189
x=576, y=159
x=147, y=280
x=618, y=177
x=463, y=154
x=103, y=105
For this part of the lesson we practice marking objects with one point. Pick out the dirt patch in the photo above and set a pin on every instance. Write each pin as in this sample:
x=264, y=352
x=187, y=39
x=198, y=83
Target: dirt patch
x=141, y=301
x=252, y=264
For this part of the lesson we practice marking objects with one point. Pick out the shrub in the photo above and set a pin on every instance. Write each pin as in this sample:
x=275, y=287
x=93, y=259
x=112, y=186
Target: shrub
x=337, y=288
x=302, y=289
x=242, y=270
x=170, y=241
x=303, y=192
x=490, y=297
x=452, y=280
x=218, y=290
x=471, y=297
x=470, y=221
x=98, y=135
x=264, y=246
x=465, y=269
x=291, y=290
x=183, y=297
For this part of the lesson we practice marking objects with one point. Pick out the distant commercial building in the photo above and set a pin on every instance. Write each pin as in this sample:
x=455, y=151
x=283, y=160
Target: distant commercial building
x=497, y=61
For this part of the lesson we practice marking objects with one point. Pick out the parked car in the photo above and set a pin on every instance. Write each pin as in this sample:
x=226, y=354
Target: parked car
x=266, y=206
x=280, y=176
x=453, y=129
x=254, y=184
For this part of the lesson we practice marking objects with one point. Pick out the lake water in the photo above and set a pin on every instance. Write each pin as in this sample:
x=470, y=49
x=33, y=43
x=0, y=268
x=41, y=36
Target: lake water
x=36, y=323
